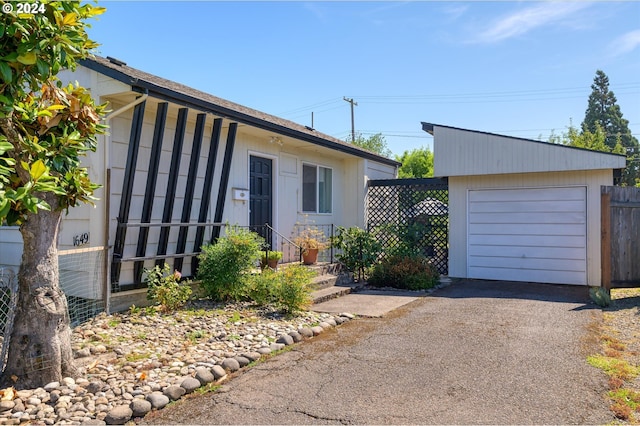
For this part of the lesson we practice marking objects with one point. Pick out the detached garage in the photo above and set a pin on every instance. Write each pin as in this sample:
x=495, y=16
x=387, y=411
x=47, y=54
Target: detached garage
x=522, y=210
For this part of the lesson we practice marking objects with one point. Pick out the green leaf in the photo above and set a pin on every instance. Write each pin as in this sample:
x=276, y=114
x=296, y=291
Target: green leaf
x=20, y=193
x=28, y=58
x=5, y=146
x=37, y=169
x=43, y=68
x=5, y=206
x=5, y=72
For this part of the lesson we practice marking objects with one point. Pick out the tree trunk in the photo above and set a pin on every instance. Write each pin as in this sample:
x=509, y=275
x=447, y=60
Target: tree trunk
x=40, y=347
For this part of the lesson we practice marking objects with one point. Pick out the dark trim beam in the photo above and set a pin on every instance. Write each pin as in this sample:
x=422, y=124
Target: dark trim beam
x=172, y=183
x=150, y=190
x=206, y=190
x=127, y=192
x=224, y=179
x=187, y=203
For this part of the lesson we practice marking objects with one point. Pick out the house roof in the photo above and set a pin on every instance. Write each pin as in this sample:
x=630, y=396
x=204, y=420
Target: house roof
x=463, y=152
x=187, y=96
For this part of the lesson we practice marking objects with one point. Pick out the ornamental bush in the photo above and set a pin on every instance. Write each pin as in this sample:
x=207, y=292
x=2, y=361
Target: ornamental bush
x=288, y=290
x=358, y=249
x=164, y=288
x=406, y=272
x=225, y=267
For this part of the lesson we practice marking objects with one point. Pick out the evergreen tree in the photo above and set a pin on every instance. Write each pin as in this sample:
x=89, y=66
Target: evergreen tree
x=603, y=111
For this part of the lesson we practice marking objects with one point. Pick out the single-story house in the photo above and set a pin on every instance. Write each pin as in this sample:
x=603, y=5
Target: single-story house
x=182, y=158
x=520, y=209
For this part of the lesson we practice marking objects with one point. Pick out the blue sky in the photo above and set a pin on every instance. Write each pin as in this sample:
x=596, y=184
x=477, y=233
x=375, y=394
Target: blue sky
x=516, y=68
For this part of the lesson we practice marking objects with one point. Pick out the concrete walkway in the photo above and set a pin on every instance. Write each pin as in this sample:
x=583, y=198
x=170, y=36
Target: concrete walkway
x=368, y=303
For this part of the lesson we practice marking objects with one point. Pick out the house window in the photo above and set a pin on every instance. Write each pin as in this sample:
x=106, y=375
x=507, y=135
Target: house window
x=317, y=183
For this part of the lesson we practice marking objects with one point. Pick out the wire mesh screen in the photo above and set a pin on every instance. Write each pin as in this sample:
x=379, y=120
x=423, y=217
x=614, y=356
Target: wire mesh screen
x=411, y=216
x=82, y=279
x=8, y=300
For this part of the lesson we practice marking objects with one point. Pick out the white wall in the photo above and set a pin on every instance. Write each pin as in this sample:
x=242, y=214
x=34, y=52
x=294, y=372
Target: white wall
x=458, y=189
x=459, y=152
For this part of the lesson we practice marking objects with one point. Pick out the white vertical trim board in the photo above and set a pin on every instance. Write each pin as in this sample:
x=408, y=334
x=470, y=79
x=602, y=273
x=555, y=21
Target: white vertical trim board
x=528, y=234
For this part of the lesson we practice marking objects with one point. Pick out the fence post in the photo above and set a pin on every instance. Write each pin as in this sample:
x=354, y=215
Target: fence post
x=605, y=243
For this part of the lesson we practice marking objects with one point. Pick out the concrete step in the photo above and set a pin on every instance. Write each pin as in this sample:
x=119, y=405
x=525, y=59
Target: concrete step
x=323, y=281
x=328, y=293
x=320, y=268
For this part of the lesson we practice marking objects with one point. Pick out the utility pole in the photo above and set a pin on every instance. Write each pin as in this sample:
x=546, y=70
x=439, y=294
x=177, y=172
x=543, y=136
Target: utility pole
x=353, y=127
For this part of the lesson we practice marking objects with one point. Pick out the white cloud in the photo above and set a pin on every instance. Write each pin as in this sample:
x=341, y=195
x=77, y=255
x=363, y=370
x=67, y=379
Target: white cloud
x=625, y=43
x=455, y=11
x=529, y=19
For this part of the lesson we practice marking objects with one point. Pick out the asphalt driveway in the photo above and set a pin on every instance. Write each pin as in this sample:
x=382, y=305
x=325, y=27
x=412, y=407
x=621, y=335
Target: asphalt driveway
x=475, y=352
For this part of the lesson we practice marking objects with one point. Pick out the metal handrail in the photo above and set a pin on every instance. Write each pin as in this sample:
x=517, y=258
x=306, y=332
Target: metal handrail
x=266, y=252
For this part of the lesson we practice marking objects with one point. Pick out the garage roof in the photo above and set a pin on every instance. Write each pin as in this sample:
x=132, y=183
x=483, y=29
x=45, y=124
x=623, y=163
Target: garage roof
x=462, y=152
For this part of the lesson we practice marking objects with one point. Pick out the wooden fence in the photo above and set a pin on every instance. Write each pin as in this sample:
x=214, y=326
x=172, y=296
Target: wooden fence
x=620, y=236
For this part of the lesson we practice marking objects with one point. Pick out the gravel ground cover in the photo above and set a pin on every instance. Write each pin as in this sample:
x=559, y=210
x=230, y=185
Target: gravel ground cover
x=134, y=363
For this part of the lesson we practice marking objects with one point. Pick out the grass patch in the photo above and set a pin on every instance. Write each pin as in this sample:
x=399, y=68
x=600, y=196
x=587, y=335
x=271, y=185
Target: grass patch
x=194, y=336
x=625, y=403
x=614, y=367
x=208, y=388
x=136, y=356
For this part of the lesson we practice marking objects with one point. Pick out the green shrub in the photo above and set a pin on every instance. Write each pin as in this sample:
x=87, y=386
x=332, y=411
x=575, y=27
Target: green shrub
x=164, y=288
x=359, y=249
x=294, y=290
x=288, y=290
x=262, y=288
x=225, y=266
x=405, y=272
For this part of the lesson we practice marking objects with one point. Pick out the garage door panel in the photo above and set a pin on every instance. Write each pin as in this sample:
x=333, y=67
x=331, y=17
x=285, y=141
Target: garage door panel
x=542, y=229
x=527, y=240
x=576, y=253
x=527, y=234
x=526, y=194
x=527, y=218
x=536, y=276
x=527, y=206
x=530, y=263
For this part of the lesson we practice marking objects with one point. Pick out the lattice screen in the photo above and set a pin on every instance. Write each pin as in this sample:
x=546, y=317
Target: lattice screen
x=412, y=215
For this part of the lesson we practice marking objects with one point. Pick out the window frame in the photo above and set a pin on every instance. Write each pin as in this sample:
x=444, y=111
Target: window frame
x=316, y=210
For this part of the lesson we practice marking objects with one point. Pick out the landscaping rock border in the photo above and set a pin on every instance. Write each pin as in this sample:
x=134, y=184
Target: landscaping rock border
x=136, y=364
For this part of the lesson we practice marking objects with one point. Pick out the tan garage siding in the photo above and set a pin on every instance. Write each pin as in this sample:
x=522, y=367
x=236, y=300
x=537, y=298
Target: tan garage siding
x=459, y=186
x=469, y=153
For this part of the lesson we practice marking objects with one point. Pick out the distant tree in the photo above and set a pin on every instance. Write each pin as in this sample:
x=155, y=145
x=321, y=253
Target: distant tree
x=604, y=111
x=586, y=139
x=417, y=163
x=375, y=143
x=45, y=129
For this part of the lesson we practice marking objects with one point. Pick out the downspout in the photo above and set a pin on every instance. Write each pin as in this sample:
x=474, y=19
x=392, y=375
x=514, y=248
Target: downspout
x=107, y=198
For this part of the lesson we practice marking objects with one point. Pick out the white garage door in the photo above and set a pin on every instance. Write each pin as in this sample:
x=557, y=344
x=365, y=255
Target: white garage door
x=536, y=235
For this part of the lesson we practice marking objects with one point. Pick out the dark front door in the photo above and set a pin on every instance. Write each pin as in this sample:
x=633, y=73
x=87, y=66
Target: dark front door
x=260, y=195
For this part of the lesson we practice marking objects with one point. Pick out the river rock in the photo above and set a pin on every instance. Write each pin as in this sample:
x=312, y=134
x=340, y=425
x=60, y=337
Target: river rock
x=118, y=415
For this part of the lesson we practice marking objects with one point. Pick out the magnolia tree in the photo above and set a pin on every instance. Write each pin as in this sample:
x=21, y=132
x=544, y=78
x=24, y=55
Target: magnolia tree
x=45, y=129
